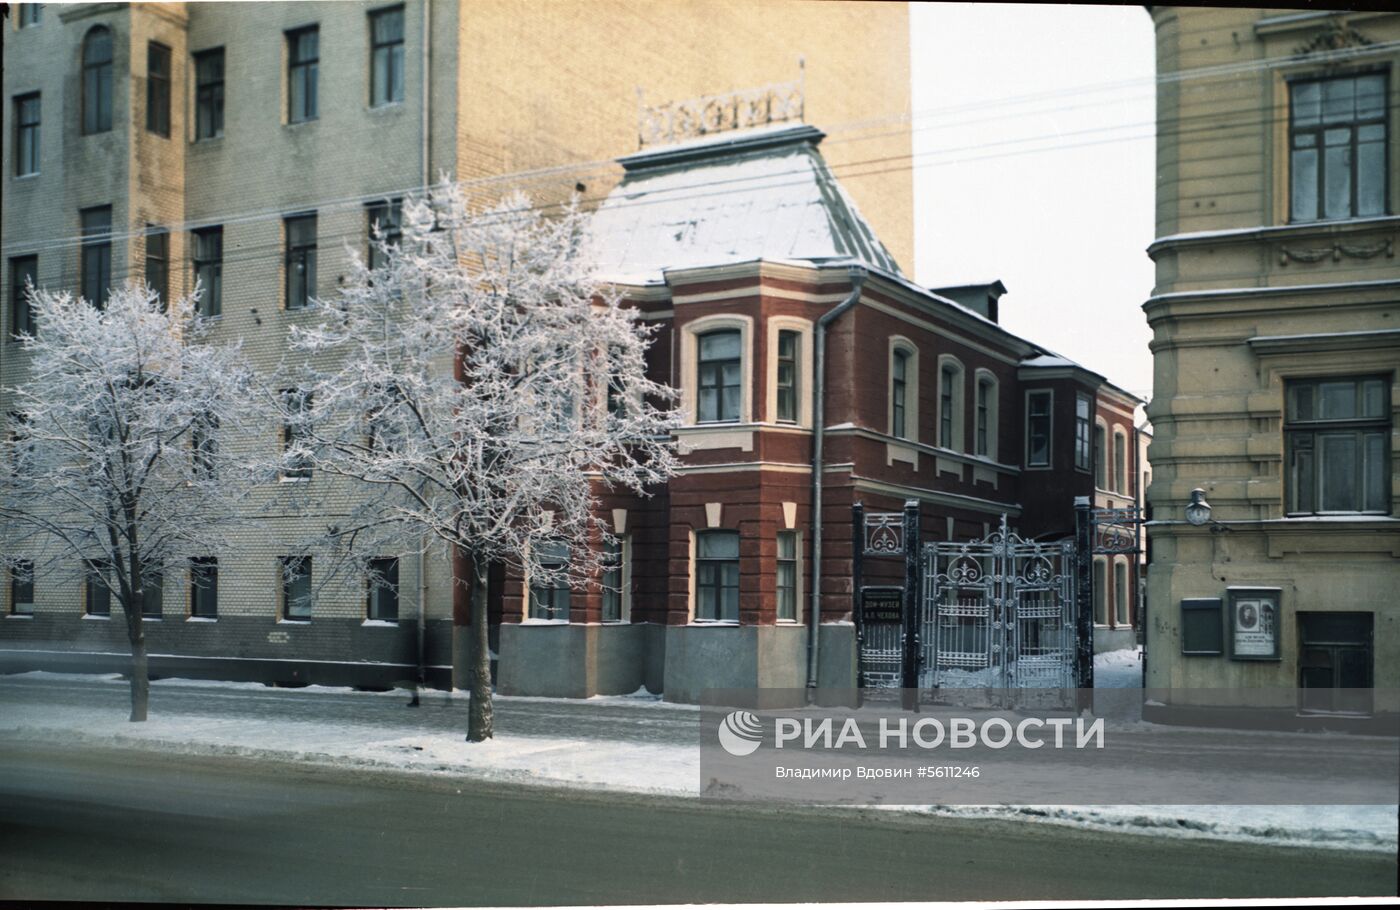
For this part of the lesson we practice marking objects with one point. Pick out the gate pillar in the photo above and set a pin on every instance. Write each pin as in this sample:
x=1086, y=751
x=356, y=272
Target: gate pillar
x=1084, y=600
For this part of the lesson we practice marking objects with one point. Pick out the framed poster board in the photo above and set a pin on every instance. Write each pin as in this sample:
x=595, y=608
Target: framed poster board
x=1255, y=623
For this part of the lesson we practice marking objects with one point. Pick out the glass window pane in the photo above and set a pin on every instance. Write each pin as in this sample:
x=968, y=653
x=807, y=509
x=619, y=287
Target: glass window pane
x=1370, y=97
x=719, y=346
x=1337, y=455
x=1304, y=188
x=1373, y=472
x=1303, y=477
x=1338, y=400
x=787, y=545
x=1373, y=398
x=1307, y=97
x=1337, y=179
x=1338, y=100
x=718, y=545
x=1370, y=179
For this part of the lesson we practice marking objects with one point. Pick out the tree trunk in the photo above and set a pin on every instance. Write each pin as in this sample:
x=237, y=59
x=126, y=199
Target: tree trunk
x=479, y=711
x=140, y=677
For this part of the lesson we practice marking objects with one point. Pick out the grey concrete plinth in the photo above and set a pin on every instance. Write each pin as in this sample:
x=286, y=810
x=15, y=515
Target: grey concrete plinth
x=572, y=661
x=700, y=657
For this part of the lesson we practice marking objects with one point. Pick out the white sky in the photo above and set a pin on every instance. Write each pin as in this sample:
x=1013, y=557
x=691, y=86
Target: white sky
x=1042, y=184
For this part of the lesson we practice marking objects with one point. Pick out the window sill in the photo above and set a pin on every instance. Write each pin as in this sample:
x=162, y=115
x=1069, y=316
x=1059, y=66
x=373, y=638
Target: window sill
x=207, y=141
x=294, y=480
x=536, y=621
x=293, y=622
x=615, y=622
x=380, y=623
x=19, y=615
x=387, y=107
x=145, y=618
x=201, y=619
x=713, y=624
x=97, y=617
x=30, y=176
x=789, y=622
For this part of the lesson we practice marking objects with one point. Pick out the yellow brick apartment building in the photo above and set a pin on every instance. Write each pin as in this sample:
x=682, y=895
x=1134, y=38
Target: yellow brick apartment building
x=1276, y=343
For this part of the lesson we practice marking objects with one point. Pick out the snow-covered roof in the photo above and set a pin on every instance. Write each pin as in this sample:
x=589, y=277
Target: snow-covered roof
x=759, y=194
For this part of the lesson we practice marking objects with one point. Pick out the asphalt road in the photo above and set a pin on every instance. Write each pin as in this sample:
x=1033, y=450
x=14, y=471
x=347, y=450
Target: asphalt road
x=98, y=824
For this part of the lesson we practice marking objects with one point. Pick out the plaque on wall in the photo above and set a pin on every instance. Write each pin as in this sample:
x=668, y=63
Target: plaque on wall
x=884, y=604
x=1255, y=623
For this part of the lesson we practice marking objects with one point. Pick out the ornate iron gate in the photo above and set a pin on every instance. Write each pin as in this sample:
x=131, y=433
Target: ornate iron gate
x=998, y=613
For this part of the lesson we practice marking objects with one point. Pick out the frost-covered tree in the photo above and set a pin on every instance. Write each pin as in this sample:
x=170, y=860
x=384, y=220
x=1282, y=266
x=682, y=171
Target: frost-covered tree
x=113, y=466
x=485, y=390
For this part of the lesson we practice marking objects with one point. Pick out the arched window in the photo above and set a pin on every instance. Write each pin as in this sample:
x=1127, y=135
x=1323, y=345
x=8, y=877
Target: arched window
x=1120, y=461
x=97, y=80
x=987, y=416
x=904, y=389
x=950, y=404
x=718, y=376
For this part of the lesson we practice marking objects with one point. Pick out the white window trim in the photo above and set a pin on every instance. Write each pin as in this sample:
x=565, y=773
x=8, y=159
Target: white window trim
x=691, y=619
x=625, y=608
x=984, y=375
x=803, y=328
x=690, y=365
x=799, y=590
x=911, y=389
x=1026, y=432
x=959, y=442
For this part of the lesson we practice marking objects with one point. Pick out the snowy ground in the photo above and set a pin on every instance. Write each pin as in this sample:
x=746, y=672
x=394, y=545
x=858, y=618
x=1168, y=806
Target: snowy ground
x=628, y=743
x=1118, y=669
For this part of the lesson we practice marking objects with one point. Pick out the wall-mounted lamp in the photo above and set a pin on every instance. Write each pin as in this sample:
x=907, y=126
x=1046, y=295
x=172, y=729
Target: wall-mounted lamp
x=1198, y=510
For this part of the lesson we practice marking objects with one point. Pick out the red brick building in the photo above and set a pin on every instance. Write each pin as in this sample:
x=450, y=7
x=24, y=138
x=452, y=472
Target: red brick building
x=744, y=251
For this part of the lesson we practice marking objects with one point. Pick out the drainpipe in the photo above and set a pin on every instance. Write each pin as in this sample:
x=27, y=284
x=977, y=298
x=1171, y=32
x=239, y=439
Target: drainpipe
x=427, y=92
x=858, y=275
x=420, y=680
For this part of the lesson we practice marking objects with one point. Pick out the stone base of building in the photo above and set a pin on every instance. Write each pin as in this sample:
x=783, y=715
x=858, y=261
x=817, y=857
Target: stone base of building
x=1106, y=639
x=1380, y=724
x=679, y=662
x=286, y=672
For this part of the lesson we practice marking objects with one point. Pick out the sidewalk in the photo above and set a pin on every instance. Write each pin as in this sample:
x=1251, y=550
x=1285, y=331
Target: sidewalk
x=627, y=743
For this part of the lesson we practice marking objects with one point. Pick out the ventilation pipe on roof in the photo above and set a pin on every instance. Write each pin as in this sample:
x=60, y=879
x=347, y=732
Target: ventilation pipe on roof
x=857, y=274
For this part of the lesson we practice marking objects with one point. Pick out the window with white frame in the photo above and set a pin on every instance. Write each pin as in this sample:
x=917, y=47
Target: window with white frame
x=1120, y=461
x=904, y=389
x=718, y=376
x=950, y=404
x=549, y=596
x=616, y=579
x=715, y=370
x=789, y=544
x=789, y=344
x=1336, y=437
x=717, y=576
x=1038, y=428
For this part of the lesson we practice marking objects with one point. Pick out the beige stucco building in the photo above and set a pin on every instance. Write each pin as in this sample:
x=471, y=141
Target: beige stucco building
x=1276, y=342
x=253, y=142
